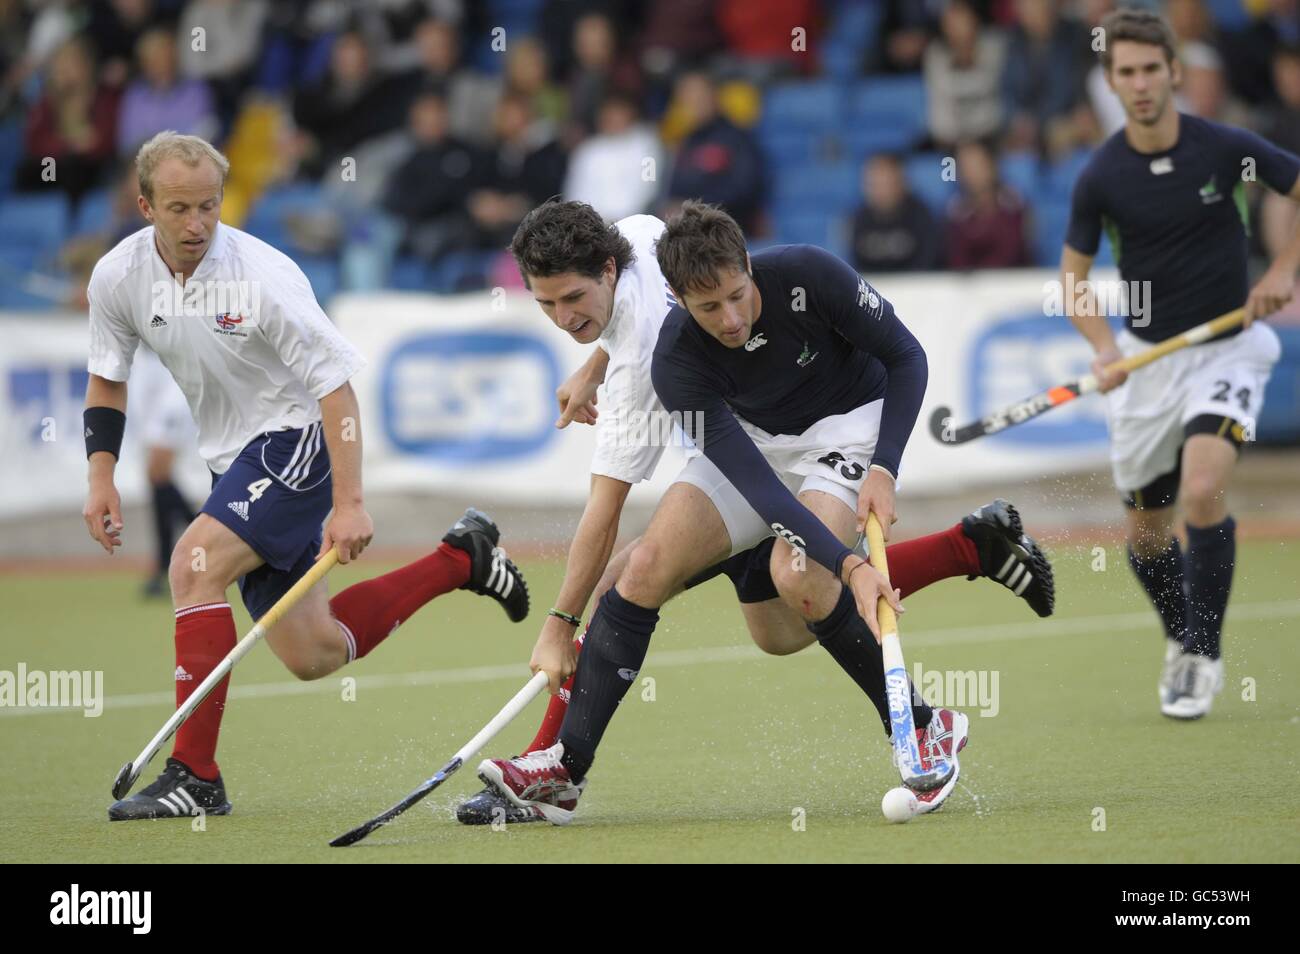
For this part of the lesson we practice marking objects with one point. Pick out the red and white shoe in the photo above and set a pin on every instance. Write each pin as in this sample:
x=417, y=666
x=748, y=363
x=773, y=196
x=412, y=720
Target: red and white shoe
x=941, y=740
x=538, y=781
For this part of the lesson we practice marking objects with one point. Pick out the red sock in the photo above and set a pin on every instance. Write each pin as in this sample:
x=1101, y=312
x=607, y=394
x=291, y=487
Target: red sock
x=549, y=731
x=368, y=612
x=205, y=635
x=915, y=564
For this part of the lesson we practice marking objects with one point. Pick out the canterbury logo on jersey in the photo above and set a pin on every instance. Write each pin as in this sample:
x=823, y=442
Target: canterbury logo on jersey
x=501, y=581
x=789, y=536
x=756, y=342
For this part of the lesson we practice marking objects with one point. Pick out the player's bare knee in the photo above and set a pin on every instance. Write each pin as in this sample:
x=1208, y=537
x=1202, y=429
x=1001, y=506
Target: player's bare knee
x=791, y=573
x=184, y=570
x=648, y=578
x=309, y=666
x=1204, y=500
x=779, y=643
x=316, y=659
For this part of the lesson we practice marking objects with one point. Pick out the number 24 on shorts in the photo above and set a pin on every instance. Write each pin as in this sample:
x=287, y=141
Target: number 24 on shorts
x=1223, y=389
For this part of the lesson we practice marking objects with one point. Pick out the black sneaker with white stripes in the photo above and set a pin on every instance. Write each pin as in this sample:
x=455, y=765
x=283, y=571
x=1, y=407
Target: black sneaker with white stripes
x=491, y=572
x=1011, y=557
x=174, y=794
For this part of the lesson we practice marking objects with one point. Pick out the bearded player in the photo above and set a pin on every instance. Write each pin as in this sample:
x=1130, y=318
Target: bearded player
x=603, y=283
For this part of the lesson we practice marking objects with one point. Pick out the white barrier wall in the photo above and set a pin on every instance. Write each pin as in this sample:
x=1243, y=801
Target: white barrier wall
x=458, y=395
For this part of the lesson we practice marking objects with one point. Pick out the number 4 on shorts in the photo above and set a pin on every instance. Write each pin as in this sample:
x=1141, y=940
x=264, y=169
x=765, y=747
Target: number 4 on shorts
x=257, y=488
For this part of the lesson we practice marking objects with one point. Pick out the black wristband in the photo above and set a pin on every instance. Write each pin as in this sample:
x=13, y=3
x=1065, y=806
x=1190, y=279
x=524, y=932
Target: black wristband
x=567, y=617
x=104, y=429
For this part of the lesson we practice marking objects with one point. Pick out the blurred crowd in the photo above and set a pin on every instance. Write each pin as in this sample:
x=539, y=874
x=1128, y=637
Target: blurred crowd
x=390, y=137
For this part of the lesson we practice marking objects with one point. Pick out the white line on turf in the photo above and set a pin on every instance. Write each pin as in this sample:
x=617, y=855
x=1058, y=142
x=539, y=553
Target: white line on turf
x=921, y=638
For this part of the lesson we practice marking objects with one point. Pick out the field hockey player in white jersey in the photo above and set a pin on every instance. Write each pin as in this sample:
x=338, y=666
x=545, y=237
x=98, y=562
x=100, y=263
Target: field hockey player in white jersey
x=601, y=284
x=266, y=377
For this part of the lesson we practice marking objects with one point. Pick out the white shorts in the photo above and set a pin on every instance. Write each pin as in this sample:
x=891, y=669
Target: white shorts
x=1147, y=413
x=158, y=407
x=831, y=456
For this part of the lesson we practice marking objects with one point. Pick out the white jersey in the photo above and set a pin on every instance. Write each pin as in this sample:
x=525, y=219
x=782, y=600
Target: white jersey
x=245, y=338
x=625, y=449
x=156, y=409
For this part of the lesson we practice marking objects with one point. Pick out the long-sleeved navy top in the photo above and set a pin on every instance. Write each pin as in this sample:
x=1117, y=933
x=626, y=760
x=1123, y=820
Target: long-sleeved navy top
x=829, y=343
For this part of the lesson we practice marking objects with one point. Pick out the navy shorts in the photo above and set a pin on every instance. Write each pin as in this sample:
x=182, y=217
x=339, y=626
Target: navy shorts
x=275, y=497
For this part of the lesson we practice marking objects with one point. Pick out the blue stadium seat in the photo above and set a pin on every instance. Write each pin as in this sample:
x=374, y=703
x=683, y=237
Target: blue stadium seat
x=35, y=221
x=865, y=137
x=461, y=271
x=267, y=218
x=1229, y=14
x=323, y=273
x=794, y=228
x=410, y=274
x=13, y=297
x=791, y=148
x=94, y=213
x=834, y=182
x=851, y=31
x=1050, y=215
x=924, y=172
x=815, y=105
x=1061, y=174
x=1022, y=171
x=889, y=102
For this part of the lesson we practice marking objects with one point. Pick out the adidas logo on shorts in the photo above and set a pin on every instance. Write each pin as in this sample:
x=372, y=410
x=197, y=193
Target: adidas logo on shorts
x=158, y=322
x=240, y=507
x=182, y=675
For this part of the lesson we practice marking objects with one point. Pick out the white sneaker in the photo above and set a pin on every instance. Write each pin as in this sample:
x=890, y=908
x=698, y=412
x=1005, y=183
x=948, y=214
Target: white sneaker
x=1197, y=679
x=1173, y=652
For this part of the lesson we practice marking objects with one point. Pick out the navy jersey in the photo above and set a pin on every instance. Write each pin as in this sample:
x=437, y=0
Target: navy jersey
x=825, y=342
x=1178, y=219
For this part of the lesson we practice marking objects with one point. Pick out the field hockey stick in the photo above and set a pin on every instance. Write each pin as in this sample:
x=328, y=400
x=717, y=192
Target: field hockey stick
x=1030, y=408
x=485, y=735
x=898, y=688
x=131, y=770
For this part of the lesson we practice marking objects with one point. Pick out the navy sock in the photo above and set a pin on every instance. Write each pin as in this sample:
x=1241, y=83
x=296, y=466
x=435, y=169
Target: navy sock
x=1162, y=577
x=1211, y=558
x=845, y=635
x=612, y=653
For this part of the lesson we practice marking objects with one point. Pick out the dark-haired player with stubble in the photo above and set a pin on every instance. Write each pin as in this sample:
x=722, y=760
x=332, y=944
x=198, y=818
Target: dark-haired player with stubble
x=1169, y=190
x=819, y=379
